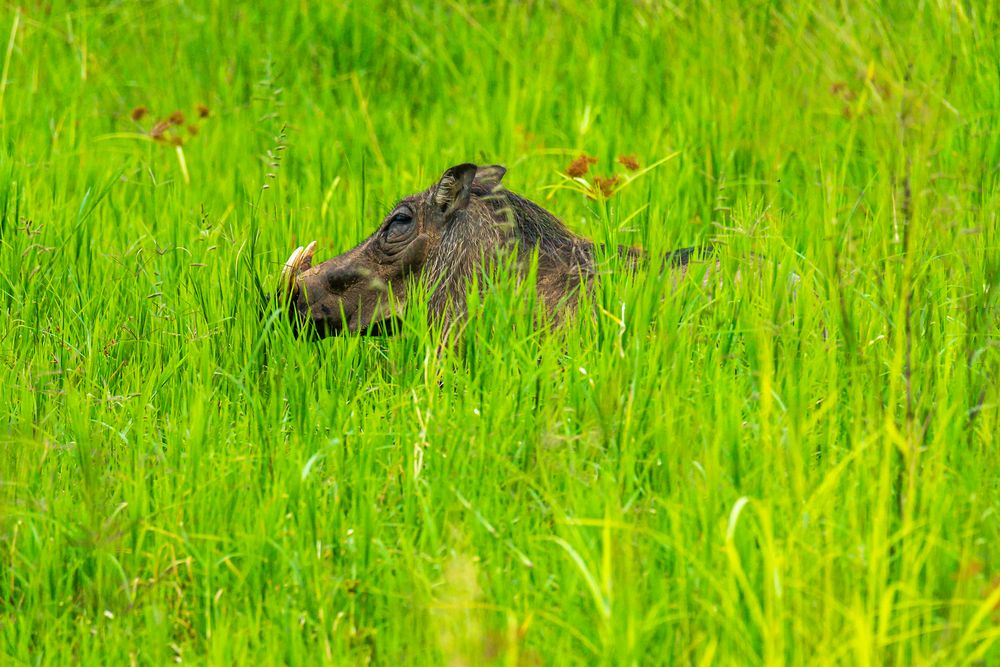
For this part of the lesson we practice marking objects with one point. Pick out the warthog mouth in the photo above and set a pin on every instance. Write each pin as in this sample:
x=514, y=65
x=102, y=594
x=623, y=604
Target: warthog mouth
x=338, y=296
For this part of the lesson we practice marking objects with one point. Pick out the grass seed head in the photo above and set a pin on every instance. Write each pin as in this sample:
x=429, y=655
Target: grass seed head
x=630, y=162
x=580, y=166
x=158, y=130
x=606, y=185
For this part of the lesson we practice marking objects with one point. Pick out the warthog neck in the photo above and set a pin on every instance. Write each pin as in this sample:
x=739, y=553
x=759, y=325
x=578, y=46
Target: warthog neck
x=502, y=226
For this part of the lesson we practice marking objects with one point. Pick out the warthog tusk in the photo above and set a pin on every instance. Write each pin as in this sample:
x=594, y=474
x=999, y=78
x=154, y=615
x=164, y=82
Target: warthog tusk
x=306, y=259
x=289, y=272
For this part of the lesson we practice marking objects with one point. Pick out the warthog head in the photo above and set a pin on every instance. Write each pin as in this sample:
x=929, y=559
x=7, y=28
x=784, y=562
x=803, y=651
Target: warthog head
x=445, y=235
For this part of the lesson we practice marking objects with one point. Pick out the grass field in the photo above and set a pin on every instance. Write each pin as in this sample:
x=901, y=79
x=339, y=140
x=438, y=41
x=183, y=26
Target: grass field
x=690, y=476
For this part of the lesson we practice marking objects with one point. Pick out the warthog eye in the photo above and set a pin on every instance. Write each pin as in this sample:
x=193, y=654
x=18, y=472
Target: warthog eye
x=399, y=226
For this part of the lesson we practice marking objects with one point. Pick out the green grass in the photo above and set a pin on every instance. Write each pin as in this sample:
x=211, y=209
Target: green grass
x=732, y=476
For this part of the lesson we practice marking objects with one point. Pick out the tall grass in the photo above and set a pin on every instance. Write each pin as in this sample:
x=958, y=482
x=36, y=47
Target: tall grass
x=734, y=473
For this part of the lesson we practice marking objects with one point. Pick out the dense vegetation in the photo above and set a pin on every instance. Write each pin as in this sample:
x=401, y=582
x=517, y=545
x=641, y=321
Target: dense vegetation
x=731, y=474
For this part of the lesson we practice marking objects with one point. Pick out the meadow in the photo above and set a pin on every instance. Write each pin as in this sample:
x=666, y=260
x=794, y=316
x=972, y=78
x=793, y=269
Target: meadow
x=724, y=474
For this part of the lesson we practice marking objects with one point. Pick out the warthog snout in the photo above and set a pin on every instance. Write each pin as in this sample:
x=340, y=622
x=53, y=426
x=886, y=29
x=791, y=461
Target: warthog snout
x=345, y=293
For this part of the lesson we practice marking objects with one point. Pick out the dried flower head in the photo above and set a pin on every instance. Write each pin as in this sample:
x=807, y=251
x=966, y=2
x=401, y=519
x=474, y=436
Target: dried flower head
x=139, y=112
x=192, y=130
x=176, y=118
x=203, y=111
x=606, y=184
x=580, y=165
x=157, y=131
x=630, y=162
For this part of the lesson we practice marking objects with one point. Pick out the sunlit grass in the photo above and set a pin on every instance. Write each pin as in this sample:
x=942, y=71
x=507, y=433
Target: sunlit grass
x=752, y=471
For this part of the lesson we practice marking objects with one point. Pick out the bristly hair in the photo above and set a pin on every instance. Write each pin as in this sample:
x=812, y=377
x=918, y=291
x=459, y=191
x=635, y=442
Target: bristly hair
x=533, y=225
x=508, y=223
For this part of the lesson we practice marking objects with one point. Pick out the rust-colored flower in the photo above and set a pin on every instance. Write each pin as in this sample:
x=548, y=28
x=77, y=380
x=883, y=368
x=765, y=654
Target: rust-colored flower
x=580, y=165
x=606, y=184
x=159, y=129
x=139, y=112
x=176, y=118
x=630, y=162
x=203, y=111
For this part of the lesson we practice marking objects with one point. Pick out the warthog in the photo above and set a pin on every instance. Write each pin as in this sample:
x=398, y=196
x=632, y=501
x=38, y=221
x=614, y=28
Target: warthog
x=446, y=235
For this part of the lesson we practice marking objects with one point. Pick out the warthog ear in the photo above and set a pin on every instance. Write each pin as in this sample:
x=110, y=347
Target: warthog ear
x=451, y=194
x=490, y=175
